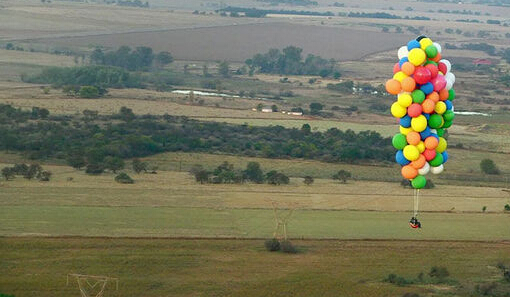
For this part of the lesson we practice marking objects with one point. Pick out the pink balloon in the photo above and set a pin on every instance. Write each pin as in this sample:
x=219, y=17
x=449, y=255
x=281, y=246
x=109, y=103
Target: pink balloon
x=439, y=82
x=433, y=69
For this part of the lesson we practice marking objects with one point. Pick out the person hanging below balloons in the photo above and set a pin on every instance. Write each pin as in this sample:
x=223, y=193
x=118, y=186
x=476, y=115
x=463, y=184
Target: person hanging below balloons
x=423, y=83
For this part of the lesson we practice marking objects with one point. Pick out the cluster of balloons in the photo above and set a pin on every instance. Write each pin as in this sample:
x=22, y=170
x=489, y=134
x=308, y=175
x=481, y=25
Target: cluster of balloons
x=424, y=85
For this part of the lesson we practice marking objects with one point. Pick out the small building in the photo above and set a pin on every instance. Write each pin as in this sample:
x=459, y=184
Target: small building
x=267, y=109
x=482, y=62
x=296, y=113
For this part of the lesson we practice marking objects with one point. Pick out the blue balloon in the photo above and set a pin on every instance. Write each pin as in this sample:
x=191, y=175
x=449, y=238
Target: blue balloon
x=445, y=156
x=449, y=104
x=427, y=88
x=399, y=157
x=413, y=44
x=402, y=61
x=405, y=121
x=434, y=135
x=425, y=133
x=426, y=115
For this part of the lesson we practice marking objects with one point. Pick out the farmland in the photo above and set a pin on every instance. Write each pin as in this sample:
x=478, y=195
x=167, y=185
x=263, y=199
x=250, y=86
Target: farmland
x=169, y=235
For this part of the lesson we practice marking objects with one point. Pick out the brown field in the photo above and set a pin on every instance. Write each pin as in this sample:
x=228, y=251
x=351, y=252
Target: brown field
x=238, y=43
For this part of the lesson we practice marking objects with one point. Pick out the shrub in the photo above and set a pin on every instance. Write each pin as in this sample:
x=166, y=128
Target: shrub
x=439, y=272
x=88, y=92
x=489, y=167
x=94, y=168
x=44, y=176
x=308, y=180
x=507, y=207
x=272, y=245
x=287, y=247
x=397, y=280
x=123, y=178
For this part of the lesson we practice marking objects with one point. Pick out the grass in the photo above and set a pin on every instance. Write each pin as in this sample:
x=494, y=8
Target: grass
x=144, y=221
x=157, y=267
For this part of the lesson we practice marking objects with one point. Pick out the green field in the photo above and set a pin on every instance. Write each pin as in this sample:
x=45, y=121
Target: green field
x=166, y=267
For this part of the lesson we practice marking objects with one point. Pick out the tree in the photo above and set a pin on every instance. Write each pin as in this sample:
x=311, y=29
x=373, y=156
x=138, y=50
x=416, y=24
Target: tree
x=88, y=92
x=8, y=173
x=276, y=178
x=315, y=108
x=254, y=173
x=126, y=114
x=139, y=166
x=274, y=108
x=342, y=175
x=308, y=180
x=164, y=58
x=76, y=160
x=44, y=176
x=223, y=69
x=439, y=272
x=489, y=167
x=32, y=171
x=202, y=176
x=94, y=168
x=97, y=56
x=306, y=128
x=113, y=163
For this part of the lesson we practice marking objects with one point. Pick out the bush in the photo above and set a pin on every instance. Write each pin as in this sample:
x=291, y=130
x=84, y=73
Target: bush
x=94, y=169
x=123, y=178
x=507, y=207
x=308, y=180
x=287, y=247
x=88, y=92
x=272, y=245
x=397, y=280
x=489, y=167
x=439, y=272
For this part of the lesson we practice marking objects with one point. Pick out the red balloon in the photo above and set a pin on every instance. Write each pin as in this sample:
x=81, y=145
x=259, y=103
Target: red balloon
x=422, y=75
x=442, y=67
x=414, y=110
x=396, y=68
x=429, y=154
x=433, y=70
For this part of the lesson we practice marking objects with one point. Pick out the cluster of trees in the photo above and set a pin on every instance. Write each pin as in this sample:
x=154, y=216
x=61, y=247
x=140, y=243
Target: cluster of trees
x=259, y=13
x=27, y=171
x=134, y=3
x=125, y=135
x=489, y=167
x=292, y=2
x=290, y=61
x=140, y=59
x=226, y=174
x=383, y=15
x=98, y=76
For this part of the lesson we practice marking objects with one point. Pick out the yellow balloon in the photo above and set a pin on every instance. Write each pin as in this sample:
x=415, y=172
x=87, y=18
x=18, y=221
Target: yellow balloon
x=397, y=110
x=405, y=131
x=411, y=152
x=440, y=107
x=421, y=146
x=405, y=99
x=442, y=145
x=417, y=56
x=425, y=42
x=400, y=76
x=419, y=123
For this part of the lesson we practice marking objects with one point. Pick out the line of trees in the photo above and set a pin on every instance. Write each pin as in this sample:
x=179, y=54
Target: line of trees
x=27, y=171
x=139, y=59
x=290, y=61
x=125, y=135
x=227, y=174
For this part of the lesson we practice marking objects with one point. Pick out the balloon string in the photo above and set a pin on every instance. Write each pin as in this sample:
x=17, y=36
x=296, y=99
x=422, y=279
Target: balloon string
x=416, y=200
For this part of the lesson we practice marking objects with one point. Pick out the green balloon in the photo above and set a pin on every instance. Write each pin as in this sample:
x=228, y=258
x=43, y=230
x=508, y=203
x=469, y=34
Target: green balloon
x=399, y=141
x=451, y=93
x=435, y=121
x=418, y=96
x=431, y=62
x=440, y=132
x=448, y=115
x=447, y=124
x=419, y=182
x=438, y=160
x=431, y=51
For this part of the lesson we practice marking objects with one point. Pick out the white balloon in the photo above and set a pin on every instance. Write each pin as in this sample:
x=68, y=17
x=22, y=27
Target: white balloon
x=438, y=46
x=448, y=65
x=403, y=52
x=449, y=84
x=425, y=169
x=433, y=131
x=450, y=76
x=437, y=170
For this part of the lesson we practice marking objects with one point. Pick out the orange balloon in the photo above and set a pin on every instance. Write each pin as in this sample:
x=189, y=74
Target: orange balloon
x=437, y=58
x=428, y=106
x=393, y=86
x=408, y=68
x=434, y=96
x=413, y=138
x=443, y=94
x=408, y=84
x=418, y=164
x=409, y=172
x=431, y=142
